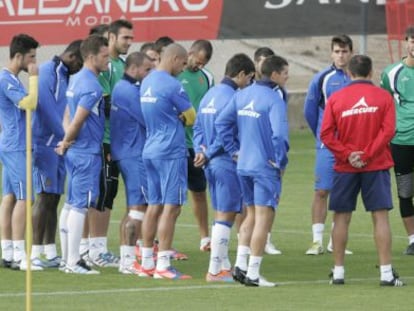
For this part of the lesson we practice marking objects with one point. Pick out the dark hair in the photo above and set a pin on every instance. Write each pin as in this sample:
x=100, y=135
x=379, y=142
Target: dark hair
x=273, y=63
x=203, y=45
x=74, y=48
x=342, y=41
x=262, y=52
x=115, y=26
x=162, y=42
x=135, y=58
x=409, y=32
x=99, y=29
x=92, y=45
x=147, y=46
x=360, y=66
x=238, y=63
x=22, y=44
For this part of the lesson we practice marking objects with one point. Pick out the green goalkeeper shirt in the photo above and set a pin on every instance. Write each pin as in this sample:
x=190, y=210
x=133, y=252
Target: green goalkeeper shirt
x=398, y=79
x=196, y=84
x=108, y=79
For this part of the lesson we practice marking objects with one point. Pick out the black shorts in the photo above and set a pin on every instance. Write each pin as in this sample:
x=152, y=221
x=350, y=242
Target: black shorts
x=196, y=179
x=108, y=181
x=403, y=156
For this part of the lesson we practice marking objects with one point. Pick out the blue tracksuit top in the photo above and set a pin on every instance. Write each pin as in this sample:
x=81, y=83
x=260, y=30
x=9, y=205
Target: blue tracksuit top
x=48, y=116
x=210, y=107
x=323, y=85
x=126, y=120
x=259, y=113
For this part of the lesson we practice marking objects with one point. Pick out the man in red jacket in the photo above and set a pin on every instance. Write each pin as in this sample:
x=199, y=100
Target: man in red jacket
x=358, y=125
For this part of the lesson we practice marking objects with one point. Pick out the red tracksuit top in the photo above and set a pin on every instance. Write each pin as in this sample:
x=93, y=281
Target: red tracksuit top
x=359, y=117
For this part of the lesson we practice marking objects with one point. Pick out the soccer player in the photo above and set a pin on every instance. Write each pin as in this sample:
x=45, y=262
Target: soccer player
x=128, y=138
x=260, y=115
x=219, y=167
x=397, y=79
x=166, y=110
x=14, y=101
x=196, y=81
x=323, y=85
x=82, y=146
x=259, y=56
x=120, y=34
x=358, y=125
x=149, y=49
x=48, y=167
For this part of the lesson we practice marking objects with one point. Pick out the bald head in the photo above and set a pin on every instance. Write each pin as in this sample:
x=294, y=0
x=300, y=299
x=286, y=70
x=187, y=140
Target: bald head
x=174, y=59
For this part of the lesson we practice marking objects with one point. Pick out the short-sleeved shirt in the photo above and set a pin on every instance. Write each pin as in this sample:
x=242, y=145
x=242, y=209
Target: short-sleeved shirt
x=84, y=90
x=12, y=119
x=163, y=99
x=398, y=79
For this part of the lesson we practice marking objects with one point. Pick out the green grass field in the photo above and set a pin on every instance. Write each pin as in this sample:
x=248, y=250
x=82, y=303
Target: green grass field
x=303, y=279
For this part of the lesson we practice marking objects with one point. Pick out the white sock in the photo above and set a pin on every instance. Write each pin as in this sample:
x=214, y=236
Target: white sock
x=63, y=231
x=254, y=267
x=411, y=239
x=214, y=265
x=163, y=260
x=7, y=250
x=338, y=272
x=242, y=256
x=18, y=250
x=76, y=221
x=317, y=231
x=37, y=250
x=94, y=249
x=330, y=237
x=84, y=246
x=147, y=254
x=220, y=236
x=103, y=244
x=386, y=273
x=50, y=251
x=129, y=255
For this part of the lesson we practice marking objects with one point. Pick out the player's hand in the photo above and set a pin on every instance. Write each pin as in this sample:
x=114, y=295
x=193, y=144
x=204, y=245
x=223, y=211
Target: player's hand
x=61, y=147
x=355, y=159
x=32, y=69
x=199, y=159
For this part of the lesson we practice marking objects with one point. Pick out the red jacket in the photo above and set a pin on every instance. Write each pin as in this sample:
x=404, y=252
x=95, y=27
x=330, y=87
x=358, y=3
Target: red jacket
x=360, y=117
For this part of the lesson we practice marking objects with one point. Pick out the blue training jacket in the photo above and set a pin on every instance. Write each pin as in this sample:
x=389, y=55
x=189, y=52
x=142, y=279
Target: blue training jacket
x=260, y=115
x=323, y=85
x=126, y=120
x=204, y=131
x=47, y=118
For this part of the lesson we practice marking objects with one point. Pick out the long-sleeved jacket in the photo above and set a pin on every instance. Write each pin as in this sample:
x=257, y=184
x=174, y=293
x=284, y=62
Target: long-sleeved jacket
x=322, y=86
x=259, y=114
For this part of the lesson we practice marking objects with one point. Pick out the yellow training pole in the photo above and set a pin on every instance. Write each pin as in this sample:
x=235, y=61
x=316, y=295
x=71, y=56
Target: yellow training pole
x=29, y=229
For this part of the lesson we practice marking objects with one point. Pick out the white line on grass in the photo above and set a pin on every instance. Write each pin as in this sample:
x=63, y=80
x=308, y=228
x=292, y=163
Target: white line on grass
x=172, y=288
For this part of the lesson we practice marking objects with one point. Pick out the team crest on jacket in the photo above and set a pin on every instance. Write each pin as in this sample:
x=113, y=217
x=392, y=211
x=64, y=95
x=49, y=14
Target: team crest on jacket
x=361, y=107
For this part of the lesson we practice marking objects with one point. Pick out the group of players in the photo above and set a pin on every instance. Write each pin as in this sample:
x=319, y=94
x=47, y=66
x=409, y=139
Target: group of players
x=98, y=114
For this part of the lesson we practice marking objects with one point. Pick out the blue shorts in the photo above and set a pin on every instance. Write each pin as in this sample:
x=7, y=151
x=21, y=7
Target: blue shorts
x=83, y=178
x=135, y=180
x=14, y=173
x=224, y=186
x=324, y=171
x=375, y=188
x=261, y=190
x=167, y=181
x=48, y=170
